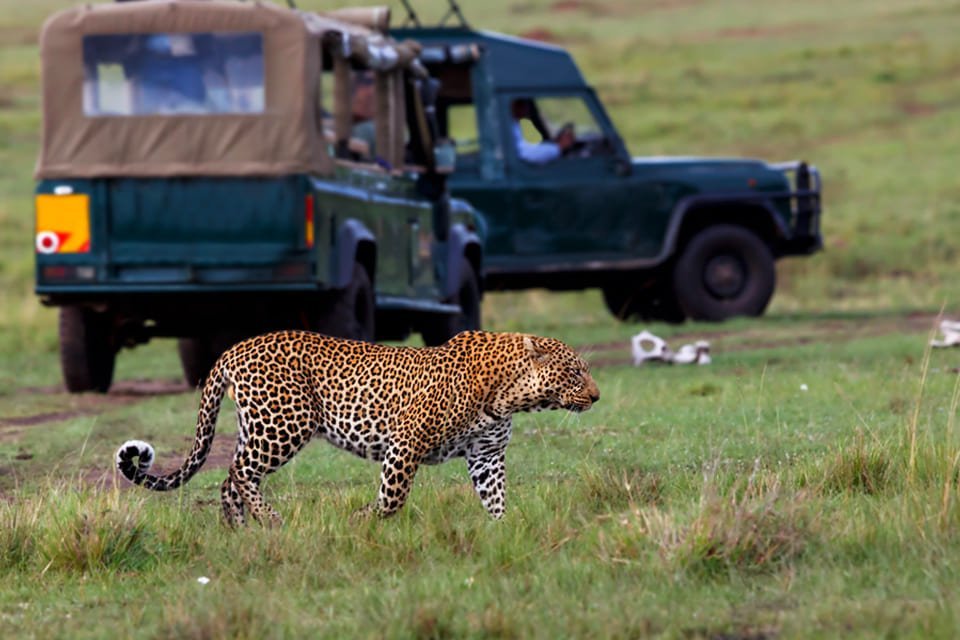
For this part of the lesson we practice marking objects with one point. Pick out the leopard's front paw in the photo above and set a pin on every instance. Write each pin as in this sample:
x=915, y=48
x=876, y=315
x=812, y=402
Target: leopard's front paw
x=364, y=513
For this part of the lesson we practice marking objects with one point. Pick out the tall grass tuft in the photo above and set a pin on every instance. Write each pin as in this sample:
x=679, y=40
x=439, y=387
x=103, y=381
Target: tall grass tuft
x=607, y=489
x=75, y=530
x=859, y=468
x=18, y=543
x=753, y=526
x=93, y=532
x=912, y=427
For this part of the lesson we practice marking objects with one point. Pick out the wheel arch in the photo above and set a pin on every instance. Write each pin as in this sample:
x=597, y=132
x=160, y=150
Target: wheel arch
x=692, y=215
x=356, y=244
x=462, y=243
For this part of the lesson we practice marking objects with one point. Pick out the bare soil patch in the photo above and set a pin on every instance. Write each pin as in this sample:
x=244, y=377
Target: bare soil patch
x=540, y=34
x=918, y=109
x=121, y=394
x=752, y=32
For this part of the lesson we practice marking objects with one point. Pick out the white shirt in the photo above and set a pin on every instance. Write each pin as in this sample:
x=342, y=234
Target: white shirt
x=537, y=153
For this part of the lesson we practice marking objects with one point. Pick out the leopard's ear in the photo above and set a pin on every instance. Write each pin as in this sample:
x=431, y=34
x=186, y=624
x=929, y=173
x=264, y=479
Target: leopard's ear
x=536, y=349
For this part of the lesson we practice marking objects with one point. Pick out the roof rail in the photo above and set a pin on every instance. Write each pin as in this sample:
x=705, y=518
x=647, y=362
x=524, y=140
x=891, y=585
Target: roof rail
x=411, y=15
x=453, y=9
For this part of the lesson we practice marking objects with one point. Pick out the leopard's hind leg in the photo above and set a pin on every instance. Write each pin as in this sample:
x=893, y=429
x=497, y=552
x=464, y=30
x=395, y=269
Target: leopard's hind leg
x=266, y=442
x=232, y=504
x=246, y=480
x=230, y=500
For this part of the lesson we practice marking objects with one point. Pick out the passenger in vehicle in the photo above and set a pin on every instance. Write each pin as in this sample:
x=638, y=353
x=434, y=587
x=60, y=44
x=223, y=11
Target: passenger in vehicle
x=363, y=107
x=544, y=151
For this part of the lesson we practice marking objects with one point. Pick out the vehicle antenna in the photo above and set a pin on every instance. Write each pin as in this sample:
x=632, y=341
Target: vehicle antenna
x=411, y=15
x=454, y=11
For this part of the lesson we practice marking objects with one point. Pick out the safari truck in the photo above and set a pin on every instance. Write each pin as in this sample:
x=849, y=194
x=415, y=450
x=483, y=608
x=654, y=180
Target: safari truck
x=199, y=178
x=567, y=206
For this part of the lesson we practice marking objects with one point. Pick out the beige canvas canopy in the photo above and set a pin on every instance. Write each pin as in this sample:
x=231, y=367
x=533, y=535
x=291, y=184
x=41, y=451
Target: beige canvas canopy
x=280, y=134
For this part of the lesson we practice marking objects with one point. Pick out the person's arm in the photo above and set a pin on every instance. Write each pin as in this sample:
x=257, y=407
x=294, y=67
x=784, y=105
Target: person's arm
x=534, y=153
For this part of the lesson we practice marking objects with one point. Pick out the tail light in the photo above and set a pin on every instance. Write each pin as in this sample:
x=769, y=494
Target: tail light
x=308, y=217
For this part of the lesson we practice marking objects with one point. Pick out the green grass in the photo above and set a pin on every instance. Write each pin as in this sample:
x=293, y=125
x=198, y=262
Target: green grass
x=691, y=502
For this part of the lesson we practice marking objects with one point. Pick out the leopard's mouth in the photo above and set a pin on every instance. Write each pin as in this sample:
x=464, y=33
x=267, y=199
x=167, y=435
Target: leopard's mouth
x=578, y=405
x=581, y=401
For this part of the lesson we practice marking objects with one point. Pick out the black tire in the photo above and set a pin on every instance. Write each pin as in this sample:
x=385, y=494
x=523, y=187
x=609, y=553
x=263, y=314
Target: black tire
x=653, y=303
x=88, y=351
x=441, y=328
x=196, y=359
x=352, y=311
x=198, y=355
x=724, y=271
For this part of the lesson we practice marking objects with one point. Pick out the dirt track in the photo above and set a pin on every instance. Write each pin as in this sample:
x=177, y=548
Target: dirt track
x=828, y=330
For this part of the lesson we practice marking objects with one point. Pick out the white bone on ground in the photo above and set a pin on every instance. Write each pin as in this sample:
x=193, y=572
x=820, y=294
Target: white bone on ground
x=951, y=334
x=696, y=353
x=646, y=346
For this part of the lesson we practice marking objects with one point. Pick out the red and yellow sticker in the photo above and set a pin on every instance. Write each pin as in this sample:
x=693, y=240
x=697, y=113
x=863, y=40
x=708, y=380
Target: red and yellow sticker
x=63, y=223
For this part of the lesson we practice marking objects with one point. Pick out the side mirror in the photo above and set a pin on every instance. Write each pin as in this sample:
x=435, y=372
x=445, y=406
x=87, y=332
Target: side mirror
x=445, y=156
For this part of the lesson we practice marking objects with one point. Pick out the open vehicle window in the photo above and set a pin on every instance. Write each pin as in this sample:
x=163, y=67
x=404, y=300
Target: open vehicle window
x=173, y=73
x=462, y=128
x=559, y=111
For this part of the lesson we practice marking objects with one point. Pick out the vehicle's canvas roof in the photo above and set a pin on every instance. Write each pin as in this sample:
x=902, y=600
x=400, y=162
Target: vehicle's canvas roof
x=284, y=139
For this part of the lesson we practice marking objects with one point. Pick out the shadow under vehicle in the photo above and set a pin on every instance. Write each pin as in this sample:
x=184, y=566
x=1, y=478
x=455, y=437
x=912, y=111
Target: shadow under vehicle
x=665, y=238
x=200, y=178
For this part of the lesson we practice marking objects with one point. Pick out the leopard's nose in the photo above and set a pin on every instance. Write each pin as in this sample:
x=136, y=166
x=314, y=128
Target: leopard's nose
x=593, y=391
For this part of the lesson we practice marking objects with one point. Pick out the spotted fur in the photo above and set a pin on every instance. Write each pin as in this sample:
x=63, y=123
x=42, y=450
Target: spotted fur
x=399, y=406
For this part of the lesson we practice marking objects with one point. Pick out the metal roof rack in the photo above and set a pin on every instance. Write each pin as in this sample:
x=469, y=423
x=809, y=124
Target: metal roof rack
x=453, y=10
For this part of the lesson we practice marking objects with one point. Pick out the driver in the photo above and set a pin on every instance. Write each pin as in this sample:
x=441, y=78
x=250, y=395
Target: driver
x=542, y=152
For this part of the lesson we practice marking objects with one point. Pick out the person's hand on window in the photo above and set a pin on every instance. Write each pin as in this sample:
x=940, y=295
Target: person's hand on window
x=565, y=137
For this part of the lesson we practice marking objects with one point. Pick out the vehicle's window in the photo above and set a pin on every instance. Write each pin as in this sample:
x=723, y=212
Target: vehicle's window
x=462, y=128
x=545, y=129
x=324, y=104
x=457, y=122
x=560, y=111
x=173, y=73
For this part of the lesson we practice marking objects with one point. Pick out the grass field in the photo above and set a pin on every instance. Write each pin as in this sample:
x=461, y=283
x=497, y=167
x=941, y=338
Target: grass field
x=803, y=485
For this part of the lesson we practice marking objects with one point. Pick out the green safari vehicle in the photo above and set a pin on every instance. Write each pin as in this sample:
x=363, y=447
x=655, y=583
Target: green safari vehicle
x=567, y=207
x=202, y=176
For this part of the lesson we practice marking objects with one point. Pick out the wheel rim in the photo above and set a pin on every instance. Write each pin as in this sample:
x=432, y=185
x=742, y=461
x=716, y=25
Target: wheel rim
x=724, y=276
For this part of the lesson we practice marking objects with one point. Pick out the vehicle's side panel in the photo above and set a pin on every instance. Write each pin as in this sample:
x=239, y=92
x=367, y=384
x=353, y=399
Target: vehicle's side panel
x=399, y=223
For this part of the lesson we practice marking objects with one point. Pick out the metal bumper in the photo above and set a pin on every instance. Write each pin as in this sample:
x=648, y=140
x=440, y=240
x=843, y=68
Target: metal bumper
x=805, y=206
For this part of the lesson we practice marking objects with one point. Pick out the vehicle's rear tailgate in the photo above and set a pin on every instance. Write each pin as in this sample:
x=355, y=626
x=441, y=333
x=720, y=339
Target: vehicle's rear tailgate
x=204, y=221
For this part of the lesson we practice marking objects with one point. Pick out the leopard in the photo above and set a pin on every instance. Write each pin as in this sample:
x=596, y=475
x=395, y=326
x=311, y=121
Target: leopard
x=401, y=406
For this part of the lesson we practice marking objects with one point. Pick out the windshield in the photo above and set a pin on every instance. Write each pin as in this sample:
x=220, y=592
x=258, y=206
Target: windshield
x=173, y=73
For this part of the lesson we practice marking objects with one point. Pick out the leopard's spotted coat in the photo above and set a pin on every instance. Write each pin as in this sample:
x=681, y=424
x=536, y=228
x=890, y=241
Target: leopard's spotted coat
x=400, y=406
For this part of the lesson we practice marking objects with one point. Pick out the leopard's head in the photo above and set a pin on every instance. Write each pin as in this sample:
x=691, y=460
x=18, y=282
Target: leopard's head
x=559, y=376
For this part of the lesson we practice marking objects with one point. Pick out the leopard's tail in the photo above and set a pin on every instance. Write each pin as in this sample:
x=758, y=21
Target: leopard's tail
x=135, y=457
